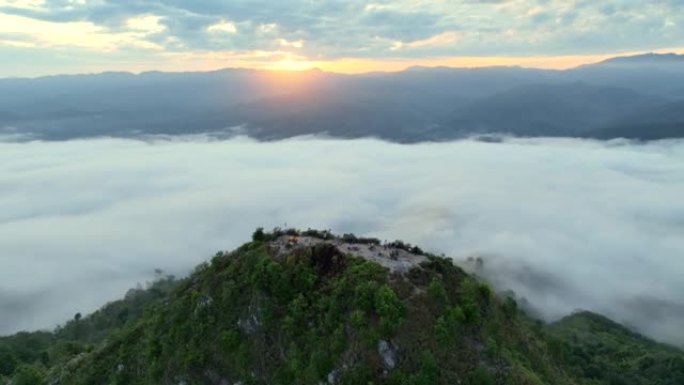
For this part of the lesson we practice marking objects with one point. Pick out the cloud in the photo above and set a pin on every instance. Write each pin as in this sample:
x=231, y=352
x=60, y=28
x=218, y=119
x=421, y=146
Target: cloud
x=336, y=29
x=566, y=224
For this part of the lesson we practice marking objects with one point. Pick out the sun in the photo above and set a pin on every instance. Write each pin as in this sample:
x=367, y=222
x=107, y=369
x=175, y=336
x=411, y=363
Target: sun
x=291, y=65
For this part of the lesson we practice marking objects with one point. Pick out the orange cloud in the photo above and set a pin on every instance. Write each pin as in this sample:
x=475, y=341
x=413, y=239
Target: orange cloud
x=436, y=40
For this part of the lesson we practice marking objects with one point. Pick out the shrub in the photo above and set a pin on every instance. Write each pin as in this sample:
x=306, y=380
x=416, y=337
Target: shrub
x=8, y=362
x=259, y=235
x=29, y=375
x=510, y=307
x=437, y=293
x=481, y=376
x=389, y=308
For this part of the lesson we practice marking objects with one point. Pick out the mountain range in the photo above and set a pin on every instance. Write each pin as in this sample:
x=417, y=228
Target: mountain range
x=638, y=97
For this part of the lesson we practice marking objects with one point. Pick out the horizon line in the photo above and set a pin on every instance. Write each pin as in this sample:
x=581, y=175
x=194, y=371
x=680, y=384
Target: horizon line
x=355, y=66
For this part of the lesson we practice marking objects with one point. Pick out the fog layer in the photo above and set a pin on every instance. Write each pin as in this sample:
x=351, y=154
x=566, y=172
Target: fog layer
x=564, y=223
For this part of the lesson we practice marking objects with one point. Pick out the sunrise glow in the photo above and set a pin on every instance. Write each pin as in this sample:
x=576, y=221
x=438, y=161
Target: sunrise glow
x=41, y=38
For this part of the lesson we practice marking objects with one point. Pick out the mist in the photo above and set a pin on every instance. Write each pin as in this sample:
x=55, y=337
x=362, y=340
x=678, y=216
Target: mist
x=565, y=223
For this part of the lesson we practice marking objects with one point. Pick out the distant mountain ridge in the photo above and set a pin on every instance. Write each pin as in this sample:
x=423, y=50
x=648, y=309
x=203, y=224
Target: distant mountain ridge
x=619, y=97
x=650, y=58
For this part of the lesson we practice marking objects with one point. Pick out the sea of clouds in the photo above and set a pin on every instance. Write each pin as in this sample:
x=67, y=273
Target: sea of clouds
x=566, y=224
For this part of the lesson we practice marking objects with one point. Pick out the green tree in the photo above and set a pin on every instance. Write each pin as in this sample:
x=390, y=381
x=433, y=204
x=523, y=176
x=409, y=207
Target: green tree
x=8, y=361
x=437, y=292
x=389, y=308
x=481, y=376
x=259, y=235
x=29, y=375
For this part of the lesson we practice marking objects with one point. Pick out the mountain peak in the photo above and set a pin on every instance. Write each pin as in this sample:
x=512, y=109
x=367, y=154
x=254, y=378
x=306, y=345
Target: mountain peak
x=310, y=307
x=649, y=58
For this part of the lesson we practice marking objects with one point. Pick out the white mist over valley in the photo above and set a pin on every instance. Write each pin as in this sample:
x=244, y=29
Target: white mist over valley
x=564, y=223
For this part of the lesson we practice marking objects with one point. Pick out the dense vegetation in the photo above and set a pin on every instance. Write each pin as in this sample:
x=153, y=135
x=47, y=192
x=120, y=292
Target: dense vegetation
x=26, y=357
x=313, y=315
x=604, y=352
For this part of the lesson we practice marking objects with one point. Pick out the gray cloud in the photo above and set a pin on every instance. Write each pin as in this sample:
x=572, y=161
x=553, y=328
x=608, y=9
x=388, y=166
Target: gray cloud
x=564, y=223
x=338, y=28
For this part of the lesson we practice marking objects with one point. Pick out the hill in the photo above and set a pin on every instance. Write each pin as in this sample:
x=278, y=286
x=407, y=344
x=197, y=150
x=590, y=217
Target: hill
x=663, y=121
x=551, y=110
x=27, y=355
x=603, y=351
x=308, y=307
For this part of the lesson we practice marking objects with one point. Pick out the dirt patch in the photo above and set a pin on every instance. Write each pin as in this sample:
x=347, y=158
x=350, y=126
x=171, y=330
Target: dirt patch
x=393, y=258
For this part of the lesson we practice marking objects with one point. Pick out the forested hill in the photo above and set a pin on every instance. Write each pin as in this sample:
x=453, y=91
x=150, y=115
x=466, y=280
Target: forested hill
x=294, y=307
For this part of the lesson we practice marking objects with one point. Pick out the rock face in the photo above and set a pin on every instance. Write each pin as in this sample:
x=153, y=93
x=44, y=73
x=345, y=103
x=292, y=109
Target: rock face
x=388, y=352
x=250, y=323
x=394, y=258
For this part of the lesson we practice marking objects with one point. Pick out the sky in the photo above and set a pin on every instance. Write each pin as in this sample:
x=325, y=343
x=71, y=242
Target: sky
x=41, y=37
x=82, y=221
